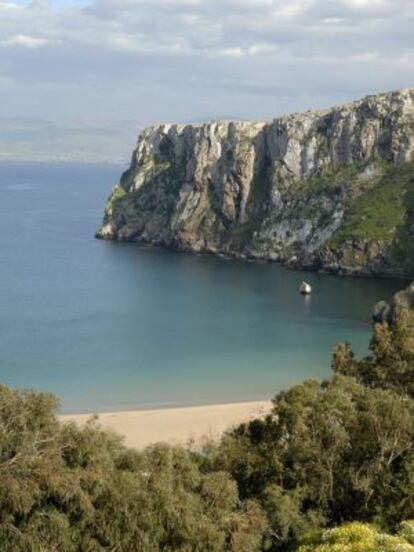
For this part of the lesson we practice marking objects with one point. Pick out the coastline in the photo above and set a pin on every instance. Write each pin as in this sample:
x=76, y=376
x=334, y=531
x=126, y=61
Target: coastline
x=254, y=257
x=176, y=426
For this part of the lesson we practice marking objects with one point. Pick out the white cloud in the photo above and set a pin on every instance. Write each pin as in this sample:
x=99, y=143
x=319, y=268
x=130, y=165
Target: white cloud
x=173, y=59
x=358, y=4
x=259, y=49
x=27, y=41
x=230, y=52
x=206, y=26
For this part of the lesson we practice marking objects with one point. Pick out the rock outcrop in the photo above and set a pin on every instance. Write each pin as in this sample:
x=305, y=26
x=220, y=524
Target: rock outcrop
x=330, y=190
x=388, y=311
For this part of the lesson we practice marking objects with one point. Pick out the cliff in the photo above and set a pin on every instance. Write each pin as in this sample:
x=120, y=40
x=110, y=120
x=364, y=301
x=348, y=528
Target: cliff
x=330, y=190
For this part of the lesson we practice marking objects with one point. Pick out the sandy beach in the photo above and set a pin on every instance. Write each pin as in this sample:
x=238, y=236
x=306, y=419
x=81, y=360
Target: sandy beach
x=176, y=425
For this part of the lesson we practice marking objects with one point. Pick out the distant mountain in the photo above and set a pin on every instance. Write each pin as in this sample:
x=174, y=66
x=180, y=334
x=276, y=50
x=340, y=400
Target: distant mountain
x=211, y=118
x=25, y=139
x=30, y=139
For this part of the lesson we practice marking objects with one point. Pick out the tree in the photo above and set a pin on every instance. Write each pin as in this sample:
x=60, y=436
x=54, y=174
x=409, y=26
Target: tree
x=65, y=488
x=328, y=453
x=391, y=364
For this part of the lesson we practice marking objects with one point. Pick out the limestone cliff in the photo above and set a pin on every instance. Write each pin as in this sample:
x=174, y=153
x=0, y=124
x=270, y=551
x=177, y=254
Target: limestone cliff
x=331, y=190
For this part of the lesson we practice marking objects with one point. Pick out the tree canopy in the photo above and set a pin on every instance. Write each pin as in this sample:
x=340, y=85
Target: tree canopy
x=67, y=488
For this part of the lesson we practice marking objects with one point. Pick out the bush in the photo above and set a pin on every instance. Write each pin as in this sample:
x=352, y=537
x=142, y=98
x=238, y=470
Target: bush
x=357, y=537
x=391, y=364
x=329, y=452
x=79, y=489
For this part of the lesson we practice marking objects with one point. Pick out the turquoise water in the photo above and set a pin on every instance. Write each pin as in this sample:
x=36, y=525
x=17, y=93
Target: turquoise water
x=113, y=326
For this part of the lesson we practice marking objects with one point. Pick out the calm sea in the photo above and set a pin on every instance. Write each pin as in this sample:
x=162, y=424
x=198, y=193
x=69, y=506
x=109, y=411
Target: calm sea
x=117, y=326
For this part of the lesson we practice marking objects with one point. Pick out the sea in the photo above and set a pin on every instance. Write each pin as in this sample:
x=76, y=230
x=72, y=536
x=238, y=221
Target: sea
x=116, y=326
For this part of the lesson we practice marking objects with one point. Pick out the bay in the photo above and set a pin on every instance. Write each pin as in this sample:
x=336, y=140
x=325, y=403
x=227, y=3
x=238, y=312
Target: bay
x=110, y=326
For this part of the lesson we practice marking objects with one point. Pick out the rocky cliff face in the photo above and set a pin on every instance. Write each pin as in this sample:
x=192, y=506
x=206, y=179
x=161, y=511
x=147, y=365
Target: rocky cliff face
x=331, y=190
x=388, y=311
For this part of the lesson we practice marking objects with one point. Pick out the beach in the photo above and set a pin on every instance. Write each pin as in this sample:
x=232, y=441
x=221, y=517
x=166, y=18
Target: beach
x=177, y=426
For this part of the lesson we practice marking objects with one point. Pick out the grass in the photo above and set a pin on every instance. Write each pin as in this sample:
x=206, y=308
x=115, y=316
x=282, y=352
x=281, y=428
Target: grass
x=306, y=196
x=152, y=167
x=378, y=213
x=118, y=193
x=347, y=175
x=242, y=234
x=403, y=249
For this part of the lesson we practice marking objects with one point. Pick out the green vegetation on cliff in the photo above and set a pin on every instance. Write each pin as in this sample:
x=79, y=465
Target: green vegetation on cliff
x=381, y=212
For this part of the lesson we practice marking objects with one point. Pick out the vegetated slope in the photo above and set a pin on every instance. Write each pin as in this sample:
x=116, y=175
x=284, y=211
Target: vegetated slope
x=330, y=190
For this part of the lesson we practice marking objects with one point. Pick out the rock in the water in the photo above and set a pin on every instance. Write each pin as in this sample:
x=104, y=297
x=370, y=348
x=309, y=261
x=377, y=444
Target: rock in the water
x=331, y=190
x=388, y=311
x=305, y=288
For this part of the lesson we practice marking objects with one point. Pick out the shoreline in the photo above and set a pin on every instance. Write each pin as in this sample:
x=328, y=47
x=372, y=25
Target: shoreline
x=176, y=426
x=236, y=256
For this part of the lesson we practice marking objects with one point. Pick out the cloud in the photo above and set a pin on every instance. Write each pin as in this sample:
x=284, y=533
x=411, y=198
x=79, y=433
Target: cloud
x=255, y=49
x=153, y=60
x=26, y=41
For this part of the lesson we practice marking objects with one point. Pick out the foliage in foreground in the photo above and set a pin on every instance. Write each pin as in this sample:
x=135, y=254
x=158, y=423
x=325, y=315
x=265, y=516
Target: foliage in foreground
x=357, y=537
x=329, y=453
x=333, y=452
x=63, y=488
x=391, y=364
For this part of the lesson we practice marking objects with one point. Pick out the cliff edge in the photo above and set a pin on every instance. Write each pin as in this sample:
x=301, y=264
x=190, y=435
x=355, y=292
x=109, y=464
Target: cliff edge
x=329, y=190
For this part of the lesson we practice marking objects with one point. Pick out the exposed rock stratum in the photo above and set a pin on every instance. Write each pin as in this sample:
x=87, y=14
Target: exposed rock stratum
x=330, y=190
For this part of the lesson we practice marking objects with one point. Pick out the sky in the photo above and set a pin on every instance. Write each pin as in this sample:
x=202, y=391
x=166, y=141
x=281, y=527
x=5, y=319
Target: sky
x=96, y=64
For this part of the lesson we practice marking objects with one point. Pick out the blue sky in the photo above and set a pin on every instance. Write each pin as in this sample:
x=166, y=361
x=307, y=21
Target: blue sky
x=176, y=60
